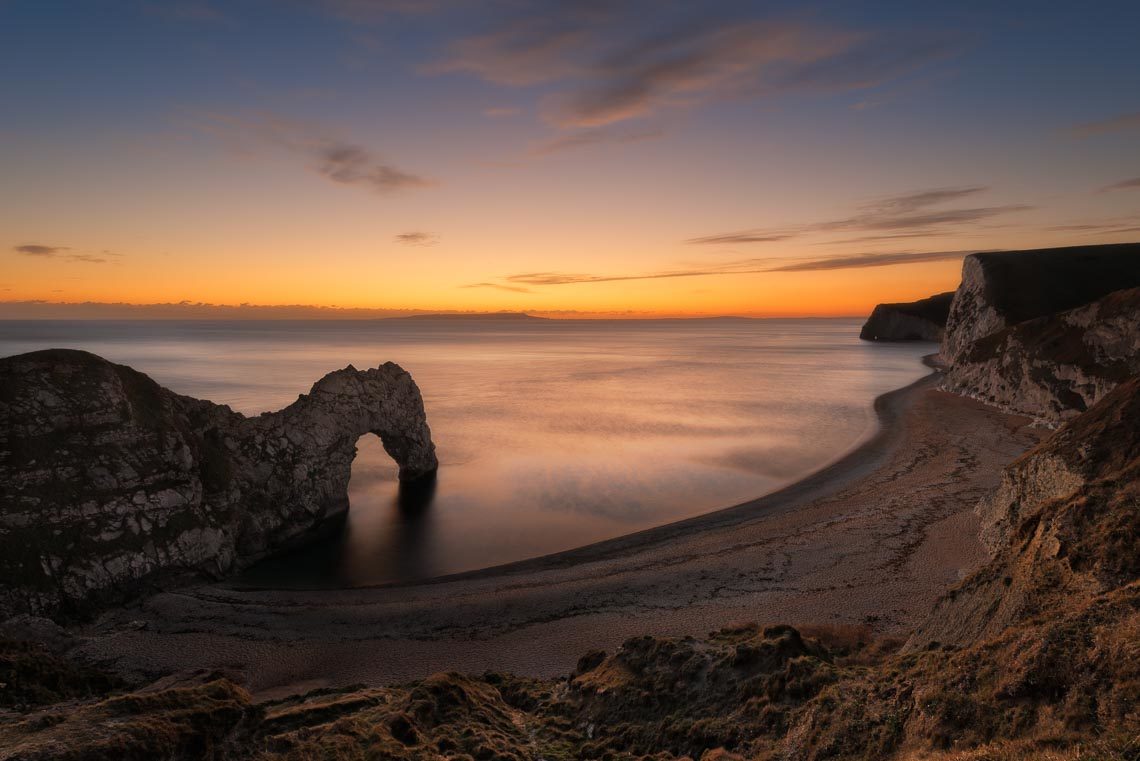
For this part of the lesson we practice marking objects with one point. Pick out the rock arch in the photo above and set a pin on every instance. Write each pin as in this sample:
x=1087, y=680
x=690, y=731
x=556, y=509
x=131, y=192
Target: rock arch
x=114, y=485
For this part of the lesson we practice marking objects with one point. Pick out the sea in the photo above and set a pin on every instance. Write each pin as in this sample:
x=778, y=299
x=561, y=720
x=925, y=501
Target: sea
x=551, y=434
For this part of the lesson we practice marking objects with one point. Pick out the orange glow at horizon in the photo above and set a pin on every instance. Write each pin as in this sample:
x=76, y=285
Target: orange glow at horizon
x=849, y=292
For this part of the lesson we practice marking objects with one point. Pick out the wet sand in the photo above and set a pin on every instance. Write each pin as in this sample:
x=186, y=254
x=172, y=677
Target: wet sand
x=871, y=540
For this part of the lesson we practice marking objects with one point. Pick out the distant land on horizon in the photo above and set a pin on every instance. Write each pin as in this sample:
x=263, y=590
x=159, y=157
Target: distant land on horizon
x=90, y=310
x=447, y=316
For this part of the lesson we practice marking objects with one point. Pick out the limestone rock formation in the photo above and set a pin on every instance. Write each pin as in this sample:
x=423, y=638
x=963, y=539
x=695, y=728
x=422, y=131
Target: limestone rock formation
x=113, y=484
x=922, y=320
x=1002, y=289
x=1053, y=368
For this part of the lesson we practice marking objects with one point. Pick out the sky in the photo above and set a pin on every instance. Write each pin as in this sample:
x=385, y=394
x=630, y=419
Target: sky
x=588, y=158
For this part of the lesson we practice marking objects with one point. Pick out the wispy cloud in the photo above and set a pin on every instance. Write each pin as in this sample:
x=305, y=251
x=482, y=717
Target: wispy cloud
x=36, y=249
x=752, y=266
x=1121, y=122
x=565, y=278
x=417, y=239
x=337, y=160
x=605, y=70
x=63, y=253
x=1132, y=184
x=751, y=59
x=499, y=287
x=912, y=212
x=89, y=258
x=906, y=235
x=522, y=51
x=860, y=261
x=596, y=136
x=745, y=236
x=350, y=164
x=906, y=215
x=1117, y=226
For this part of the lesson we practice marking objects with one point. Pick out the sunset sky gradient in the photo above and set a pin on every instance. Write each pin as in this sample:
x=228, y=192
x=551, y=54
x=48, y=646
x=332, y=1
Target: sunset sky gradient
x=561, y=158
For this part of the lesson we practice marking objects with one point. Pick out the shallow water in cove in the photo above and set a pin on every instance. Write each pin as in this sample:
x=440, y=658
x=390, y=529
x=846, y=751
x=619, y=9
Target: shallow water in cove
x=551, y=434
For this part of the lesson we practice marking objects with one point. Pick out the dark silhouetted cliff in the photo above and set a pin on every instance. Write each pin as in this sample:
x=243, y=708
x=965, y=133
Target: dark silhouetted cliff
x=922, y=320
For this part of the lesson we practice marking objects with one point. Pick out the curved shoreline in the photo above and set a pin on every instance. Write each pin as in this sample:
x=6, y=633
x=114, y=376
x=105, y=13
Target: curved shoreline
x=855, y=462
x=869, y=540
x=852, y=463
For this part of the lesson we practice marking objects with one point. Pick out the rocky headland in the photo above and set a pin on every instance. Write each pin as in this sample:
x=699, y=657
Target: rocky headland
x=922, y=320
x=1043, y=333
x=1002, y=289
x=1055, y=367
x=114, y=486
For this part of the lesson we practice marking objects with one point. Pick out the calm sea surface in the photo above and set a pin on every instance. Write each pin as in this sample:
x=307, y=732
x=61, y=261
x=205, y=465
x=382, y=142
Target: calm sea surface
x=551, y=434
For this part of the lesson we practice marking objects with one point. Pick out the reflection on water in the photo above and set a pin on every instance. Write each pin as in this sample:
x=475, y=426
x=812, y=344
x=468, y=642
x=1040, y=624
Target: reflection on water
x=413, y=498
x=550, y=434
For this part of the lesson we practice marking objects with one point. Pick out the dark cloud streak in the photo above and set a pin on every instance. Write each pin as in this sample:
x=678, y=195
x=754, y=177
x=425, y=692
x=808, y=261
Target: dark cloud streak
x=417, y=239
x=349, y=164
x=745, y=236
x=861, y=261
x=62, y=253
x=907, y=215
x=36, y=249
x=746, y=267
x=337, y=160
x=499, y=287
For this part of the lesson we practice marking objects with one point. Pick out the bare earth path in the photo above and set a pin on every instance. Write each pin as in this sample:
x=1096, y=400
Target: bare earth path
x=872, y=539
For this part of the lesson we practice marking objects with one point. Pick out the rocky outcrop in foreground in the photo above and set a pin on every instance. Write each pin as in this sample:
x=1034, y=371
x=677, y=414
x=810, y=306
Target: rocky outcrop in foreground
x=1054, y=368
x=922, y=320
x=1063, y=528
x=114, y=485
x=1037, y=655
x=1005, y=288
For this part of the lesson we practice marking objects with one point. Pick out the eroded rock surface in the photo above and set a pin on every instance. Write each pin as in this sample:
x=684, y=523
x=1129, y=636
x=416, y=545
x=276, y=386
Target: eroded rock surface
x=113, y=484
x=1053, y=368
x=922, y=320
x=1063, y=528
x=1005, y=288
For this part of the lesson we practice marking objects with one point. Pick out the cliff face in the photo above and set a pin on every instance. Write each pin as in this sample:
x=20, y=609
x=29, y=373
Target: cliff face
x=113, y=484
x=1002, y=289
x=1053, y=368
x=922, y=320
